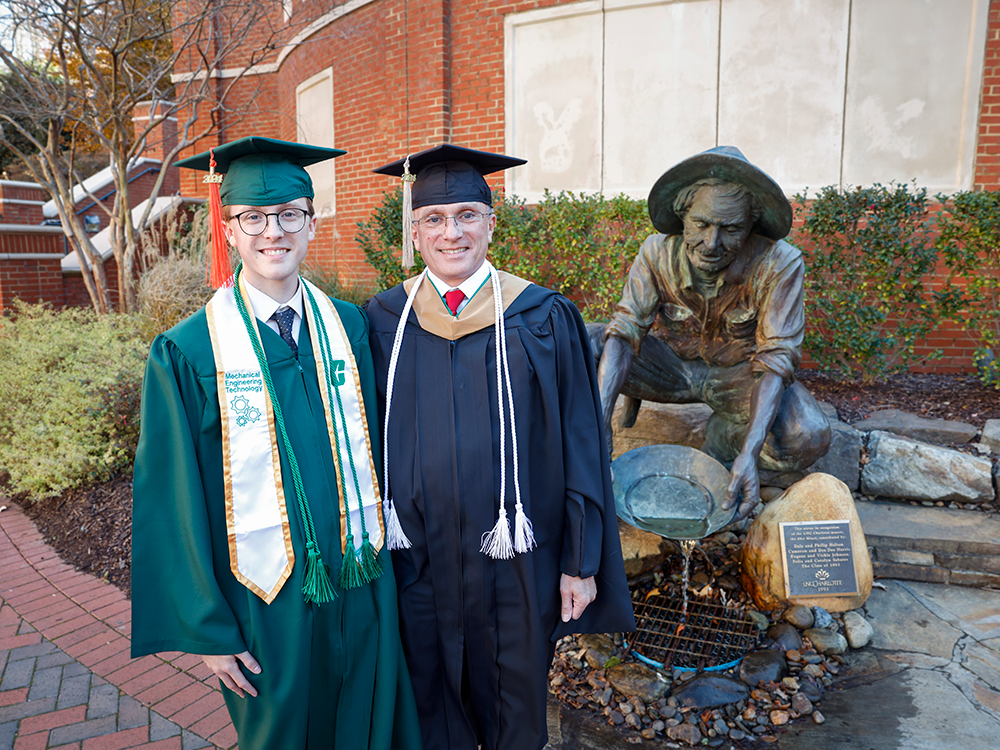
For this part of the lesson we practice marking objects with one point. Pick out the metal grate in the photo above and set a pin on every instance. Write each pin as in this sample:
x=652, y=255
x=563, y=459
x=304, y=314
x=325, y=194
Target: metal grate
x=714, y=636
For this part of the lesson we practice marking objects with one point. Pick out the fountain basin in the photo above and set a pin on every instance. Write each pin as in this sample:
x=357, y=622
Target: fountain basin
x=671, y=490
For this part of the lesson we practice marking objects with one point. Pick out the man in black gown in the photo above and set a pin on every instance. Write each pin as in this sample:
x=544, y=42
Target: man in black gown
x=483, y=595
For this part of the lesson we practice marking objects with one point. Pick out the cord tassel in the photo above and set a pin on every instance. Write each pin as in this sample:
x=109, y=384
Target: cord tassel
x=408, y=180
x=496, y=542
x=350, y=568
x=316, y=586
x=368, y=560
x=524, y=534
x=394, y=535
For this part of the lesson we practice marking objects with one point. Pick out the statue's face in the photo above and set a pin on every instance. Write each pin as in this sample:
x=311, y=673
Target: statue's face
x=715, y=228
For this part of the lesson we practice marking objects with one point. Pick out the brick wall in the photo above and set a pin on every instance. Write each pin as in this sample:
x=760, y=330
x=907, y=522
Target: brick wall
x=988, y=144
x=30, y=264
x=21, y=202
x=394, y=95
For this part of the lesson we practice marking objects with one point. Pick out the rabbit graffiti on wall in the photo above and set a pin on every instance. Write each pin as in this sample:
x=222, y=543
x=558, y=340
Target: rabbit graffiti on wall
x=556, y=148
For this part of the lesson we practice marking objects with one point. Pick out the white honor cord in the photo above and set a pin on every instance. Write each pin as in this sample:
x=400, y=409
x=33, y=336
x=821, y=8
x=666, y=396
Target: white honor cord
x=395, y=536
x=497, y=542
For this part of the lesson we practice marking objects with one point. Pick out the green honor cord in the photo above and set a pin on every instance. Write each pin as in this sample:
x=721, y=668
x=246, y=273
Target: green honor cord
x=365, y=566
x=316, y=586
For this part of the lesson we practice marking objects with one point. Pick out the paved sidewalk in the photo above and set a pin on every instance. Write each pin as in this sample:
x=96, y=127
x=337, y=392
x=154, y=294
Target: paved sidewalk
x=66, y=679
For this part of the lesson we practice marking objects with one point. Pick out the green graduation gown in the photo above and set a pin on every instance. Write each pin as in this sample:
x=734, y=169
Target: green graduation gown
x=331, y=675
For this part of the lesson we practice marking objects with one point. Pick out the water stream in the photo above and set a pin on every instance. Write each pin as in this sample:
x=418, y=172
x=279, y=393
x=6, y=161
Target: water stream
x=687, y=547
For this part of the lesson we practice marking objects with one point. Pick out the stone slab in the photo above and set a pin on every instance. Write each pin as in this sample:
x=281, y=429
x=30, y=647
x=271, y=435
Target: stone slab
x=902, y=622
x=944, y=530
x=974, y=611
x=941, y=431
x=916, y=709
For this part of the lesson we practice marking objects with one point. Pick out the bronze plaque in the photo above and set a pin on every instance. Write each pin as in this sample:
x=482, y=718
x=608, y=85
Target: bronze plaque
x=818, y=558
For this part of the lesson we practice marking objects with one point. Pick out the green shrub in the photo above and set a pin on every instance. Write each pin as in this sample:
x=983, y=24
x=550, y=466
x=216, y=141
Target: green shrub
x=580, y=245
x=868, y=256
x=969, y=242
x=69, y=397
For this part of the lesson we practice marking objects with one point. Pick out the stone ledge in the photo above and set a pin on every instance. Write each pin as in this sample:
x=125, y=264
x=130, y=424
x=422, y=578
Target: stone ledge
x=939, y=530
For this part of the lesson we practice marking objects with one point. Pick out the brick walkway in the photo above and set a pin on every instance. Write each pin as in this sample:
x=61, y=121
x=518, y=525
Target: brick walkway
x=66, y=679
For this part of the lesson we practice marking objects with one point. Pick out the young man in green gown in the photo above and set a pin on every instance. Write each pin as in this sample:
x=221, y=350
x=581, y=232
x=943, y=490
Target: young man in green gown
x=257, y=533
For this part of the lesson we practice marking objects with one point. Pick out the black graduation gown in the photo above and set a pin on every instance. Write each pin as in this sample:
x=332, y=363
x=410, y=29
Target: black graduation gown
x=479, y=633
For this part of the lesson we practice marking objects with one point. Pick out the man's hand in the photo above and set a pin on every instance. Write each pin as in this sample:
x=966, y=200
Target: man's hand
x=743, y=479
x=576, y=594
x=227, y=669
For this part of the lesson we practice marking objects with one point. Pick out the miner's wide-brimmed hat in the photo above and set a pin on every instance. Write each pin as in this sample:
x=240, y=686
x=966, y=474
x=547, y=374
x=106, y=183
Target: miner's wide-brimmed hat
x=725, y=163
x=671, y=490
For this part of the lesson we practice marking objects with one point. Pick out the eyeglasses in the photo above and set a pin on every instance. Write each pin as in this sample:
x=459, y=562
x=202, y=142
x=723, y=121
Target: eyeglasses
x=436, y=222
x=289, y=220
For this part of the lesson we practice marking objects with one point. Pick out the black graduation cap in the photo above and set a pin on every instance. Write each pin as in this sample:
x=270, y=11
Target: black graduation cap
x=450, y=174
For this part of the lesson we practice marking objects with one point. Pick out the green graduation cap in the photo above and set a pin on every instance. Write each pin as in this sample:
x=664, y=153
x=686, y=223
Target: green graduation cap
x=262, y=171
x=258, y=172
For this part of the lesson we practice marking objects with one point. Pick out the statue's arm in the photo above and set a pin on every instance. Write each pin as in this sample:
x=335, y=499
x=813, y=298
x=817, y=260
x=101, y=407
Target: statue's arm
x=744, y=480
x=616, y=362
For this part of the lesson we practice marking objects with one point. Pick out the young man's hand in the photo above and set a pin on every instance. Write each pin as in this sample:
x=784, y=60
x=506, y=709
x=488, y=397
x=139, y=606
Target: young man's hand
x=227, y=668
x=576, y=594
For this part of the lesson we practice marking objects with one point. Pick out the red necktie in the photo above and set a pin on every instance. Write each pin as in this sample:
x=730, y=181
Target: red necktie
x=454, y=299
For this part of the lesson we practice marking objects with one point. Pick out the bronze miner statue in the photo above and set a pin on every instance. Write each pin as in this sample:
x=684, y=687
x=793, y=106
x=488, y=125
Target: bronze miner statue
x=712, y=313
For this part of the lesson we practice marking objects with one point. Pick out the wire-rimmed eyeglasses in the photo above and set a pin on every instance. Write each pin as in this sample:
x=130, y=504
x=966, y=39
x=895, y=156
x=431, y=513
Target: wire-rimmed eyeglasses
x=254, y=222
x=437, y=222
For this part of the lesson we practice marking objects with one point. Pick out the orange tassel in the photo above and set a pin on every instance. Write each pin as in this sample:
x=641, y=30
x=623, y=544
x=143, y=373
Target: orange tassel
x=219, y=272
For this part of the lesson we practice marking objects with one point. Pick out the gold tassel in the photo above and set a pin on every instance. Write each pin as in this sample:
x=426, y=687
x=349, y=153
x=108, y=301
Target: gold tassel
x=408, y=180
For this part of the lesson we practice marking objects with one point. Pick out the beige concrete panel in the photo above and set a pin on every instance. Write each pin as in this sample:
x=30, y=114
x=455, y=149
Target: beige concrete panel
x=914, y=74
x=660, y=89
x=554, y=82
x=314, y=115
x=781, y=86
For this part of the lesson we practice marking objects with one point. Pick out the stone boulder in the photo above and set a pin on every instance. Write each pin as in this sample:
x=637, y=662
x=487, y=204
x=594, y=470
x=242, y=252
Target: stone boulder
x=991, y=435
x=904, y=468
x=662, y=424
x=818, y=497
x=708, y=690
x=941, y=431
x=843, y=460
x=641, y=550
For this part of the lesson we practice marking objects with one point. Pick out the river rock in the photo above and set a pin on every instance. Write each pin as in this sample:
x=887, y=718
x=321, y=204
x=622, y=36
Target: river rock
x=857, y=629
x=685, y=732
x=991, y=435
x=672, y=424
x=904, y=468
x=646, y=684
x=785, y=636
x=765, y=665
x=941, y=431
x=708, y=690
x=801, y=704
x=600, y=648
x=818, y=497
x=641, y=550
x=827, y=641
x=800, y=616
x=821, y=618
x=811, y=688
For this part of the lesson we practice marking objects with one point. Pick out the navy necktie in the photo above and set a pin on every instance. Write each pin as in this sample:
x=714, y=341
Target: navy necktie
x=284, y=317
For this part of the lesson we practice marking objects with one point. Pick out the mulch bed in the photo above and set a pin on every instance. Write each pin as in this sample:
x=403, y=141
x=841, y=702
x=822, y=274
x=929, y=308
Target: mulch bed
x=90, y=527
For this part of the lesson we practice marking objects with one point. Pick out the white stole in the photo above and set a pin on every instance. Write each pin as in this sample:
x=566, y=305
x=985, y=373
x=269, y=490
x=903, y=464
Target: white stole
x=260, y=547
